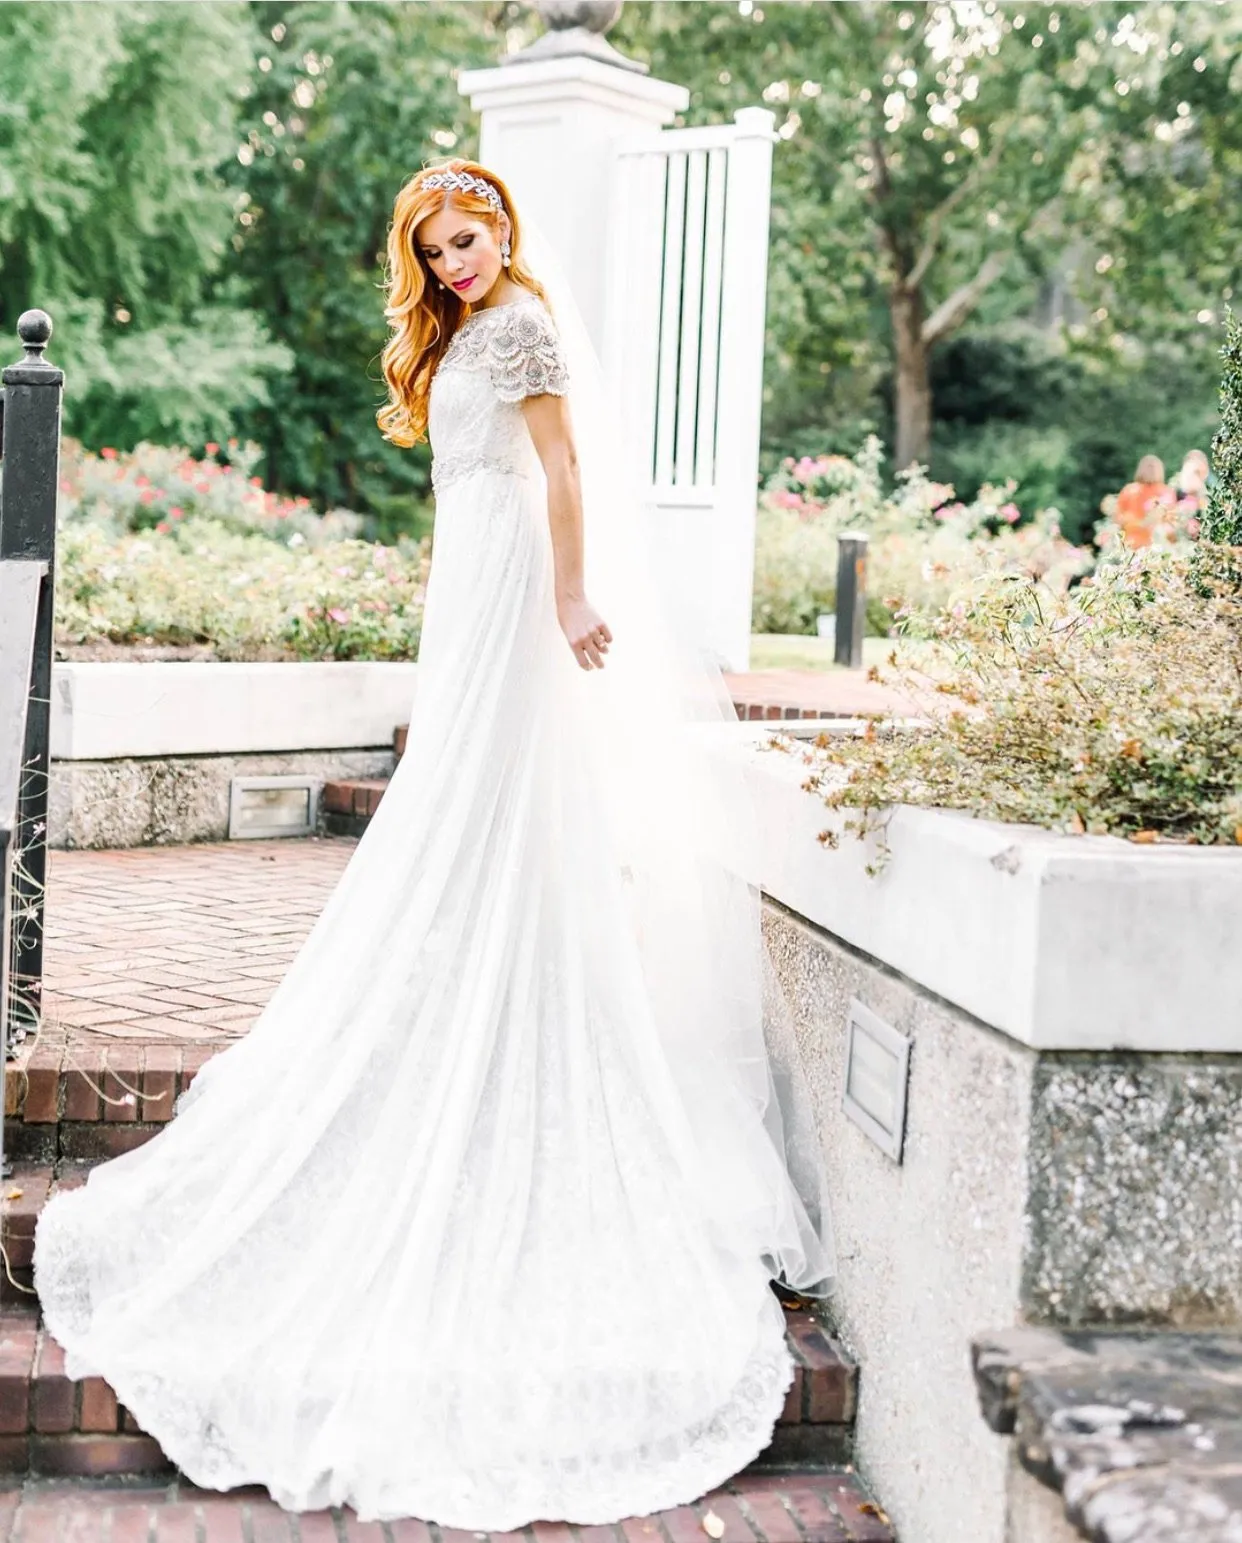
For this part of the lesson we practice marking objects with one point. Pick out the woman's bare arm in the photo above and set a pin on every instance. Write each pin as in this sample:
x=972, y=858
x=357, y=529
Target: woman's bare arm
x=547, y=417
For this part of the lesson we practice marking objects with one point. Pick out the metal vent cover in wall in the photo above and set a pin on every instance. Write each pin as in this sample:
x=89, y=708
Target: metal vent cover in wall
x=877, y=1070
x=273, y=806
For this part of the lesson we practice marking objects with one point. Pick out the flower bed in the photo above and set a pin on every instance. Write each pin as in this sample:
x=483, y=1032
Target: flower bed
x=157, y=549
x=925, y=543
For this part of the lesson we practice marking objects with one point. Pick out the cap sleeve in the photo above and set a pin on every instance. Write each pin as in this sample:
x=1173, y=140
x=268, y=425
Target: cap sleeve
x=525, y=357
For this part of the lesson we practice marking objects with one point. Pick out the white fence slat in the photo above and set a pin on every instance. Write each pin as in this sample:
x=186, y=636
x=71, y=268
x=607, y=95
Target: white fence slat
x=670, y=315
x=713, y=273
x=691, y=316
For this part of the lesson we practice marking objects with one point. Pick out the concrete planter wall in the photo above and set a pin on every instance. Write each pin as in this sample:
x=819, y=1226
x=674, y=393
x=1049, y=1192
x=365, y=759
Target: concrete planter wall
x=144, y=753
x=105, y=712
x=1074, y=1110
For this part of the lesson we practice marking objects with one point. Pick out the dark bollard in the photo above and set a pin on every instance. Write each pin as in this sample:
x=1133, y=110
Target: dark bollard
x=851, y=600
x=29, y=480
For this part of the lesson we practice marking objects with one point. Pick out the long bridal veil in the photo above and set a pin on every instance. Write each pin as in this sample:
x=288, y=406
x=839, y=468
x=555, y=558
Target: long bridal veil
x=683, y=809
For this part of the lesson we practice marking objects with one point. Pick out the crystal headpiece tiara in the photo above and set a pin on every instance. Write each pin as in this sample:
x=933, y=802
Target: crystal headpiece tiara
x=464, y=182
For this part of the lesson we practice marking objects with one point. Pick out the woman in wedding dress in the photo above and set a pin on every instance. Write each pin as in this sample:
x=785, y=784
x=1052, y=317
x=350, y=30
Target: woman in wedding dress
x=479, y=1222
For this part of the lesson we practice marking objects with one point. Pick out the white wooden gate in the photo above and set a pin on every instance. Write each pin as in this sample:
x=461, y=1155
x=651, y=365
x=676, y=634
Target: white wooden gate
x=683, y=343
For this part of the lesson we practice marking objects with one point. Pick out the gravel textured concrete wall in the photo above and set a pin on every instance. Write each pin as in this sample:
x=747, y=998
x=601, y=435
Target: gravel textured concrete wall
x=126, y=803
x=930, y=1252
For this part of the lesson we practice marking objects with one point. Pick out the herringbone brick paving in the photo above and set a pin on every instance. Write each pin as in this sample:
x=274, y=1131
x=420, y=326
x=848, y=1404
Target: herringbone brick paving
x=178, y=944
x=755, y=1508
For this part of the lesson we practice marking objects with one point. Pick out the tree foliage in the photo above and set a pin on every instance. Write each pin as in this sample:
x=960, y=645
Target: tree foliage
x=349, y=100
x=944, y=164
x=1223, y=522
x=113, y=123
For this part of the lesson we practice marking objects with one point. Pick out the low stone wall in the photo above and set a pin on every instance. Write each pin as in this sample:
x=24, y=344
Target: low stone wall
x=170, y=799
x=1071, y=1150
x=1035, y=1187
x=929, y=1251
x=143, y=753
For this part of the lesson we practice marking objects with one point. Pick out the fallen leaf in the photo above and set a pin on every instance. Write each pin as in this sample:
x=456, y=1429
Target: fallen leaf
x=713, y=1526
x=869, y=1508
x=14, y=1194
x=1144, y=837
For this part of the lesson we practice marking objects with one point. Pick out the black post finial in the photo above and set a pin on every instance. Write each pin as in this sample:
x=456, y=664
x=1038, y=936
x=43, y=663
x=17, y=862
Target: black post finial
x=35, y=329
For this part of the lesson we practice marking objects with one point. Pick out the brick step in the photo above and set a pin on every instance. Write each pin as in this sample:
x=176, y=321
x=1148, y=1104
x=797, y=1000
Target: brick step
x=811, y=1507
x=348, y=803
x=51, y=1425
x=91, y=1100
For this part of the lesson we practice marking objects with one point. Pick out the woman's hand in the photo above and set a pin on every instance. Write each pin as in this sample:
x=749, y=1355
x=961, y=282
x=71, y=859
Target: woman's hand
x=588, y=634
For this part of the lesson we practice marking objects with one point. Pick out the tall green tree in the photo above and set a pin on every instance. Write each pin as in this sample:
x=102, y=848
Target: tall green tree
x=348, y=101
x=113, y=123
x=945, y=161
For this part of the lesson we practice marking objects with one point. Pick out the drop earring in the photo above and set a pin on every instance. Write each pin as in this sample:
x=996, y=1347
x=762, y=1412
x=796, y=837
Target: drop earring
x=504, y=253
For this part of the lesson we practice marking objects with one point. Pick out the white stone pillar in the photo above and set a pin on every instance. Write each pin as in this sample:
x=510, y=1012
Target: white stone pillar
x=548, y=128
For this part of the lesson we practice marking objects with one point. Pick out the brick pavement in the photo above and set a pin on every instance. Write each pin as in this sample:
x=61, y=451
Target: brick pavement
x=178, y=944
x=755, y=1508
x=822, y=693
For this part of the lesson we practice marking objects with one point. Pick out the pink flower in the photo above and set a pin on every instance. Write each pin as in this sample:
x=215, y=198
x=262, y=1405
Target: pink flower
x=1193, y=528
x=163, y=527
x=1010, y=513
x=256, y=482
x=65, y=485
x=176, y=512
x=108, y=453
x=339, y=616
x=212, y=448
x=142, y=481
x=232, y=444
x=146, y=496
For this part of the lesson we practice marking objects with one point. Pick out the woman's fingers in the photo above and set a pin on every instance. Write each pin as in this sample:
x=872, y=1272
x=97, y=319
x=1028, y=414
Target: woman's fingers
x=588, y=653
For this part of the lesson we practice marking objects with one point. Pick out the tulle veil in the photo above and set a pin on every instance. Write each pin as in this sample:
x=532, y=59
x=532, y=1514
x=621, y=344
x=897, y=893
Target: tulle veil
x=678, y=793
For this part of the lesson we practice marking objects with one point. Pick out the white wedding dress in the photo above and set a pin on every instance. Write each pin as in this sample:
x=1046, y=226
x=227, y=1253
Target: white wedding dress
x=477, y=1224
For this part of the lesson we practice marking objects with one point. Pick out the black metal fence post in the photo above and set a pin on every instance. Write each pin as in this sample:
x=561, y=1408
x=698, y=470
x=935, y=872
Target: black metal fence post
x=851, y=600
x=29, y=481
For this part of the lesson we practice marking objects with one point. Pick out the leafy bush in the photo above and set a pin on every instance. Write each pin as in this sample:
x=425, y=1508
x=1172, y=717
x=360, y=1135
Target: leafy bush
x=157, y=548
x=1113, y=708
x=925, y=543
x=1223, y=519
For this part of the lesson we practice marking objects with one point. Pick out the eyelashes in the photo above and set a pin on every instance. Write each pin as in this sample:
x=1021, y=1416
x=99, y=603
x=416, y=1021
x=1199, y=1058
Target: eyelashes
x=461, y=247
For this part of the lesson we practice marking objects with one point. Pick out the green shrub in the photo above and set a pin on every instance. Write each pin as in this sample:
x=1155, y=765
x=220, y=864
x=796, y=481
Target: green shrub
x=1113, y=708
x=158, y=548
x=1223, y=518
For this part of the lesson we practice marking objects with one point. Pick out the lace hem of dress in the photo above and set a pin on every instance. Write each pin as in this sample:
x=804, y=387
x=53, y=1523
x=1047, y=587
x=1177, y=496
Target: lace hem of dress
x=446, y=469
x=589, y=1488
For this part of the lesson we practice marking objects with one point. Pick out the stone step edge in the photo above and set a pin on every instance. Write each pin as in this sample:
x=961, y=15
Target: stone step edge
x=79, y=1427
x=823, y=1505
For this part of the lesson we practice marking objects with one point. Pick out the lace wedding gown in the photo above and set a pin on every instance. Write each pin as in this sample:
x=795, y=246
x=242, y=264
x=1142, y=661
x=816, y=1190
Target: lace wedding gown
x=465, y=1228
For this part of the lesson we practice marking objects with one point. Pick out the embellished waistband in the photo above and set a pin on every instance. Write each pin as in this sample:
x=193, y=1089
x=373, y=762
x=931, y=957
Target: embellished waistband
x=452, y=468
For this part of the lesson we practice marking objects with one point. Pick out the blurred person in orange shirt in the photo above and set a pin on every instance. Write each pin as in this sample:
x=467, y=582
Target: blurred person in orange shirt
x=1146, y=505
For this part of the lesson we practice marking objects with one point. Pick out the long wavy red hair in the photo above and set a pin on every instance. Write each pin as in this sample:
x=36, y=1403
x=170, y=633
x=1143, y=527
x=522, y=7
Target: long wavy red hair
x=422, y=314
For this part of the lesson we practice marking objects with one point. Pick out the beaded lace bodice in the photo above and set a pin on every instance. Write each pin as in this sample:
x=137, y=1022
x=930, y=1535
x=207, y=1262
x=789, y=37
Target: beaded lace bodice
x=496, y=357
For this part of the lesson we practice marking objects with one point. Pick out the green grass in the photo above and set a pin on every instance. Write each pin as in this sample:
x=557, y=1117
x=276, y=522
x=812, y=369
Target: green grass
x=782, y=651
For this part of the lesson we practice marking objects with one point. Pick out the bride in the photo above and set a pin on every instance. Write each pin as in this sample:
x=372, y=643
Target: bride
x=480, y=1221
